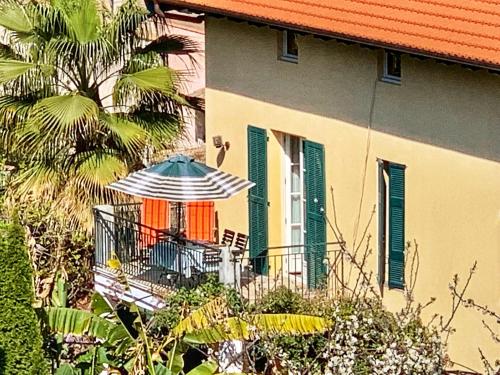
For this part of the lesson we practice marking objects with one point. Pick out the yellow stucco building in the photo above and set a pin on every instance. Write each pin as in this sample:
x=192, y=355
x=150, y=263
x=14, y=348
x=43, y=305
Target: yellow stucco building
x=405, y=145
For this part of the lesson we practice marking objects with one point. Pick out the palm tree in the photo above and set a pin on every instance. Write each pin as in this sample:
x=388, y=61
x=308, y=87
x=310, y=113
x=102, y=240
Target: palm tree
x=84, y=94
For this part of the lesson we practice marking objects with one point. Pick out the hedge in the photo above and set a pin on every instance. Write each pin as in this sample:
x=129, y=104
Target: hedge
x=20, y=337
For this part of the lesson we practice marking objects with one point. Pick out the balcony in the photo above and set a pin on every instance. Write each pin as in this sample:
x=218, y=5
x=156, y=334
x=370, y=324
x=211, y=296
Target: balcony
x=139, y=263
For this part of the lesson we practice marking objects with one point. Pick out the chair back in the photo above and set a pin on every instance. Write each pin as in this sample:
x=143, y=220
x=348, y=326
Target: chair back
x=241, y=242
x=228, y=237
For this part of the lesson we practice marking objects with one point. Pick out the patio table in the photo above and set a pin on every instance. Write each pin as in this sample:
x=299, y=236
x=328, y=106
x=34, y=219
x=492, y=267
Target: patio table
x=165, y=254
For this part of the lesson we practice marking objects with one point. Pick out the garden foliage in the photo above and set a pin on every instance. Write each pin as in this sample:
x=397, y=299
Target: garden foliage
x=364, y=339
x=20, y=338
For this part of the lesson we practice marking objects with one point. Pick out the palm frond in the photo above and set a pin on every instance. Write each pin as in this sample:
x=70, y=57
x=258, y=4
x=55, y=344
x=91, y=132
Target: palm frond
x=143, y=61
x=171, y=44
x=128, y=134
x=93, y=171
x=7, y=52
x=39, y=178
x=12, y=69
x=51, y=19
x=61, y=116
x=14, y=17
x=122, y=31
x=84, y=22
x=159, y=80
x=15, y=110
x=162, y=128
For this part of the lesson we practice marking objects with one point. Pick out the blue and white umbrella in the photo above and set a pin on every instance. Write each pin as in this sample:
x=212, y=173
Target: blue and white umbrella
x=181, y=179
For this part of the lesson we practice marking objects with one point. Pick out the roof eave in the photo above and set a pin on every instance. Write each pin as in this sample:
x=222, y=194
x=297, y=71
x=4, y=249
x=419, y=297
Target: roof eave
x=342, y=37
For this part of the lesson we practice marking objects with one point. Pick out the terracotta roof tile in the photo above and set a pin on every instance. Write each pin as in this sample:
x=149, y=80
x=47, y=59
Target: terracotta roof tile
x=463, y=30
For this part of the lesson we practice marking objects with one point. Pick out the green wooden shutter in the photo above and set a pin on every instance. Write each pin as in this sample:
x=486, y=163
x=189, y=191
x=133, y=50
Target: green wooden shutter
x=382, y=226
x=314, y=185
x=396, y=225
x=257, y=202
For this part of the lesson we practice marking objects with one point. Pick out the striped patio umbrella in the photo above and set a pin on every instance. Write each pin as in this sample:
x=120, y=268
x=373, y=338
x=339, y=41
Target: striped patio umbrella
x=181, y=179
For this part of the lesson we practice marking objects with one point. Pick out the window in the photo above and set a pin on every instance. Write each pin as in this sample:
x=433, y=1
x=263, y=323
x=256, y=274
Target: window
x=391, y=67
x=391, y=223
x=294, y=192
x=289, y=48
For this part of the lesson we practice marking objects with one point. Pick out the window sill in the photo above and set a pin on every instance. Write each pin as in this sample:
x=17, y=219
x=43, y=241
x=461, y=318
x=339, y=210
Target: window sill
x=390, y=80
x=290, y=59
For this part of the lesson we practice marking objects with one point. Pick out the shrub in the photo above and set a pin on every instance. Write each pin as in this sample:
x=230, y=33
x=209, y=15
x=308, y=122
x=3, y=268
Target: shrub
x=364, y=339
x=20, y=337
x=184, y=301
x=283, y=301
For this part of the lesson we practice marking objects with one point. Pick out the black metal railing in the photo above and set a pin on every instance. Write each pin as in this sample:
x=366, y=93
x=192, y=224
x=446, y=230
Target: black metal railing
x=129, y=211
x=309, y=270
x=148, y=254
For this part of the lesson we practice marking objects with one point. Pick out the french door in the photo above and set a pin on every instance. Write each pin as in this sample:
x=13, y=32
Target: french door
x=294, y=204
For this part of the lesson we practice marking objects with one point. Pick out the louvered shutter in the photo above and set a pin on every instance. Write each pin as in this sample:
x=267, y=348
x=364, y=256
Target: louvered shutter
x=314, y=185
x=396, y=225
x=257, y=202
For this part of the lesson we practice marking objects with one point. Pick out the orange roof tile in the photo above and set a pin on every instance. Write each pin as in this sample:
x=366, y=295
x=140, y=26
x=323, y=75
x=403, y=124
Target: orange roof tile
x=461, y=30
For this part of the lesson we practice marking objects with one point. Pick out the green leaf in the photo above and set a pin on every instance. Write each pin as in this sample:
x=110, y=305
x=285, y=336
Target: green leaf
x=66, y=369
x=13, y=17
x=175, y=360
x=207, y=315
x=171, y=44
x=95, y=170
x=61, y=114
x=207, y=368
x=77, y=322
x=60, y=292
x=7, y=52
x=130, y=135
x=84, y=22
x=12, y=69
x=160, y=369
x=235, y=328
x=162, y=128
x=99, y=305
x=290, y=324
x=160, y=80
x=230, y=329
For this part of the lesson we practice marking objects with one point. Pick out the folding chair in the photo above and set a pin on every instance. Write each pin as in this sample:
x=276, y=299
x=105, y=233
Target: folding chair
x=228, y=237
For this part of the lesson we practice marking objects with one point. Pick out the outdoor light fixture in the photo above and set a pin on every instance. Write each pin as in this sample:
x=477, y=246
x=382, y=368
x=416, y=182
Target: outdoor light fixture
x=217, y=141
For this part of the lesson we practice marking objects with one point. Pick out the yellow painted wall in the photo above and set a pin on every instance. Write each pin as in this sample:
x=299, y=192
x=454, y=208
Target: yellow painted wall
x=442, y=122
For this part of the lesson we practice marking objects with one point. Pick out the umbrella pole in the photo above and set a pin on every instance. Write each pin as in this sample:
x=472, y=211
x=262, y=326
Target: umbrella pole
x=179, y=252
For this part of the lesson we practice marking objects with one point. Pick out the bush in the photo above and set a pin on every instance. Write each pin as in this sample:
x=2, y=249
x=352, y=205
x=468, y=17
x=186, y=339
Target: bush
x=364, y=339
x=283, y=301
x=20, y=337
x=184, y=301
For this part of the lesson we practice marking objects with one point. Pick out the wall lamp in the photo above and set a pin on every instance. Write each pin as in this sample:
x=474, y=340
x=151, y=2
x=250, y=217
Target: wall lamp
x=219, y=143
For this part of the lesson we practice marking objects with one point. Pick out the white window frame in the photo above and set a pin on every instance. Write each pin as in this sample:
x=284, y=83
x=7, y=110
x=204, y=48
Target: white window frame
x=288, y=192
x=285, y=55
x=386, y=77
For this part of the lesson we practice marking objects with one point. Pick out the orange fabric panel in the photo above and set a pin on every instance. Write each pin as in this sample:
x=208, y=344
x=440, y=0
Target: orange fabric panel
x=200, y=221
x=154, y=214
